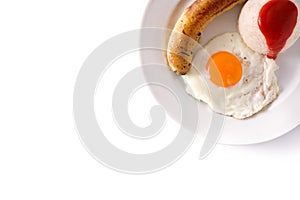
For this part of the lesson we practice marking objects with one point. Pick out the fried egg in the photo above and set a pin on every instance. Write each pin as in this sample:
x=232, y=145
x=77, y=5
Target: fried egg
x=231, y=78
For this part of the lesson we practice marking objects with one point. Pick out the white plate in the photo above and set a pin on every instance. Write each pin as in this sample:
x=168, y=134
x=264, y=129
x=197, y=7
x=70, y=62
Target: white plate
x=276, y=120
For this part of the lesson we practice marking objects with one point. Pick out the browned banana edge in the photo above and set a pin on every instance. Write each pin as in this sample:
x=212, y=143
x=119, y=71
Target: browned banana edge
x=188, y=30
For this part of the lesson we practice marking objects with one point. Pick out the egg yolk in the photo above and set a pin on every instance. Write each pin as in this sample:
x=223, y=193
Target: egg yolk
x=224, y=68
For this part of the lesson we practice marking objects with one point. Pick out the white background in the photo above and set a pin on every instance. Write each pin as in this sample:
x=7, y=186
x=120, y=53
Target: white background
x=42, y=47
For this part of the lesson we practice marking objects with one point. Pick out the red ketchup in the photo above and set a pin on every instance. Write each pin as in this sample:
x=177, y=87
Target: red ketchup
x=277, y=20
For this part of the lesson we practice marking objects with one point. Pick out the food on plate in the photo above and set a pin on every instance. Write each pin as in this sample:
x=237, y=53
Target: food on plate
x=188, y=30
x=231, y=78
x=235, y=72
x=270, y=26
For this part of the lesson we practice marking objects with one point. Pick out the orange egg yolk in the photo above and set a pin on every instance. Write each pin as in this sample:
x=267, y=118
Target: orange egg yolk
x=224, y=68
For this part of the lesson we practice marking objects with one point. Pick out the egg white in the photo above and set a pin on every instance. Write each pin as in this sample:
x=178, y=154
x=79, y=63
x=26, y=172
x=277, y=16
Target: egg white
x=257, y=88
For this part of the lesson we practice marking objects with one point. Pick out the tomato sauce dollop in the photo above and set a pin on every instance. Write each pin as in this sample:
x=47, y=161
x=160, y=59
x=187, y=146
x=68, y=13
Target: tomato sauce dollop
x=277, y=20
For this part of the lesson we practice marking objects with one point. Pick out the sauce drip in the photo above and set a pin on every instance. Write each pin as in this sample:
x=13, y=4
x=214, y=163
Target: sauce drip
x=277, y=20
